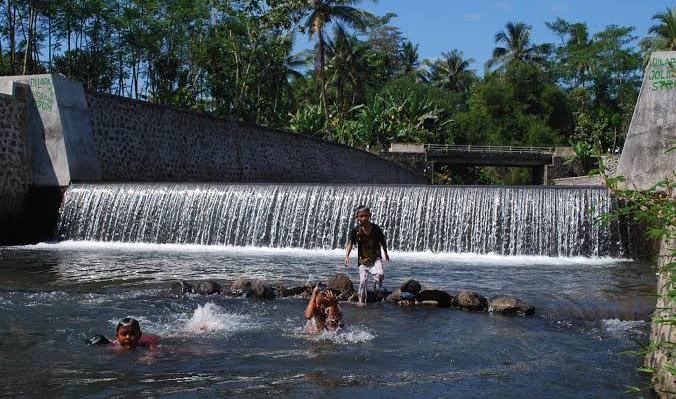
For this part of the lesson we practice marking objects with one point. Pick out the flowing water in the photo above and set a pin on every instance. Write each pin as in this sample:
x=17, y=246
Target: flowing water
x=121, y=246
x=504, y=220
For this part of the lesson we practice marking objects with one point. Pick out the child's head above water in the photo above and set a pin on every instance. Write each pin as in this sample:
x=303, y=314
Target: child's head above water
x=128, y=333
x=362, y=213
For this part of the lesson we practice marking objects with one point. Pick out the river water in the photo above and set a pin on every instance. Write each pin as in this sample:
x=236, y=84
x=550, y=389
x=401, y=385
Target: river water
x=53, y=296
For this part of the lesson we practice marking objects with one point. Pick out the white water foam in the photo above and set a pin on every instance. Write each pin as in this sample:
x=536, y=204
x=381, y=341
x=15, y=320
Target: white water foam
x=211, y=318
x=207, y=319
x=624, y=327
x=505, y=260
x=349, y=335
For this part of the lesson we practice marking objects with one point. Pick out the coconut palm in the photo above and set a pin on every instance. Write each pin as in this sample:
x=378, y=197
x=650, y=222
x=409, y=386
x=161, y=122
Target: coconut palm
x=663, y=33
x=450, y=72
x=344, y=67
x=409, y=57
x=516, y=39
x=322, y=14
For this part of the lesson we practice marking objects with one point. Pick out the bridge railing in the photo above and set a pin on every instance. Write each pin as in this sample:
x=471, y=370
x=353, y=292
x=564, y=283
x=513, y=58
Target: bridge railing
x=488, y=148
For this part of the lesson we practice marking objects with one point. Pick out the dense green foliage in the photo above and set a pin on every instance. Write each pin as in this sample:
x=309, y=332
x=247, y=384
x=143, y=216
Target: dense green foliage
x=362, y=84
x=655, y=210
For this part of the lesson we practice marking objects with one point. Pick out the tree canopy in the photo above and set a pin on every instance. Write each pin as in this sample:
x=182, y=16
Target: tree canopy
x=363, y=82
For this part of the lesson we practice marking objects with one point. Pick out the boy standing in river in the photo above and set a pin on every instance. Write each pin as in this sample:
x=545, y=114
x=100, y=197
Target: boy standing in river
x=369, y=238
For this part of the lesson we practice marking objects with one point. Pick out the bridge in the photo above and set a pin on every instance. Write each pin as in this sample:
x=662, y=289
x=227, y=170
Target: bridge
x=487, y=155
x=428, y=156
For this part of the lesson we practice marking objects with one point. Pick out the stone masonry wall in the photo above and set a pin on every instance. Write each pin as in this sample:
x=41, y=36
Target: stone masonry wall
x=15, y=171
x=663, y=335
x=138, y=141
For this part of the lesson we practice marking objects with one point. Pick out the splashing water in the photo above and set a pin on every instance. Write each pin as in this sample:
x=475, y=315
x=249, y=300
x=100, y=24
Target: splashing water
x=211, y=318
x=205, y=319
x=623, y=327
x=346, y=336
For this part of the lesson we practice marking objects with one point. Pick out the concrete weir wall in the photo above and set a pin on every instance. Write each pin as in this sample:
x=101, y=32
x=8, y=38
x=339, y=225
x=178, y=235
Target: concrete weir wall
x=652, y=131
x=52, y=133
x=87, y=137
x=59, y=132
x=138, y=141
x=15, y=171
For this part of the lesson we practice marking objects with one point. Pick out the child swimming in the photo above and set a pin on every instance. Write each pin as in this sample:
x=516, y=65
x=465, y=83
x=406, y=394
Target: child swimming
x=128, y=335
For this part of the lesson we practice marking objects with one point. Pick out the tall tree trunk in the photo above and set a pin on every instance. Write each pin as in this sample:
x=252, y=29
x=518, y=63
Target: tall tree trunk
x=133, y=77
x=29, y=38
x=49, y=43
x=35, y=57
x=11, y=19
x=322, y=83
x=70, y=64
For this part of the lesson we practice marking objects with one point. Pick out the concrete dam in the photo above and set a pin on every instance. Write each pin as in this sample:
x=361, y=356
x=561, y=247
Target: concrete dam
x=54, y=134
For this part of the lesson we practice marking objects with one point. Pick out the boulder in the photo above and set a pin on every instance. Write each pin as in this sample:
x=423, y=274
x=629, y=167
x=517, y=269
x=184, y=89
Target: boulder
x=208, y=287
x=370, y=297
x=354, y=297
x=411, y=286
x=340, y=283
x=284, y=292
x=261, y=291
x=241, y=286
x=394, y=296
x=443, y=299
x=407, y=296
x=381, y=294
x=470, y=300
x=345, y=296
x=181, y=287
x=509, y=305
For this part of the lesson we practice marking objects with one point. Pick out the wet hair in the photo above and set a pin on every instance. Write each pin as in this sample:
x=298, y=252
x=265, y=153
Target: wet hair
x=97, y=339
x=362, y=208
x=128, y=322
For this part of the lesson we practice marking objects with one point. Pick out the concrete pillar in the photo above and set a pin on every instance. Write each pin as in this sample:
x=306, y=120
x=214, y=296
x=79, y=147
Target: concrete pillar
x=645, y=160
x=62, y=145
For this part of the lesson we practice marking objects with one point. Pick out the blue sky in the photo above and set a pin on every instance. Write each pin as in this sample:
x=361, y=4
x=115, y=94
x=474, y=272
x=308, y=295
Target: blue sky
x=470, y=26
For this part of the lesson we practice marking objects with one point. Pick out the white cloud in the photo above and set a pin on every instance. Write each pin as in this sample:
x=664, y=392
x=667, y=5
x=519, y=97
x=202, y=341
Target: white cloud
x=472, y=16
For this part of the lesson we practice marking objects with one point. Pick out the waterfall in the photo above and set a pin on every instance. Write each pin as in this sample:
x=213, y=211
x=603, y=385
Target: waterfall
x=548, y=221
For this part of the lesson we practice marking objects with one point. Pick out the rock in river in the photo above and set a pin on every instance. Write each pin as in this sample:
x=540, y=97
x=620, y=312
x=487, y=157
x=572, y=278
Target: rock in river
x=443, y=299
x=509, y=305
x=340, y=283
x=208, y=287
x=394, y=296
x=411, y=286
x=470, y=300
x=241, y=286
x=283, y=292
x=181, y=287
x=261, y=291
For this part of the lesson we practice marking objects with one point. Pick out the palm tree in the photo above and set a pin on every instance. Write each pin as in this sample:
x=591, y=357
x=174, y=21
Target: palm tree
x=409, y=57
x=344, y=67
x=450, y=72
x=322, y=14
x=517, y=47
x=663, y=33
